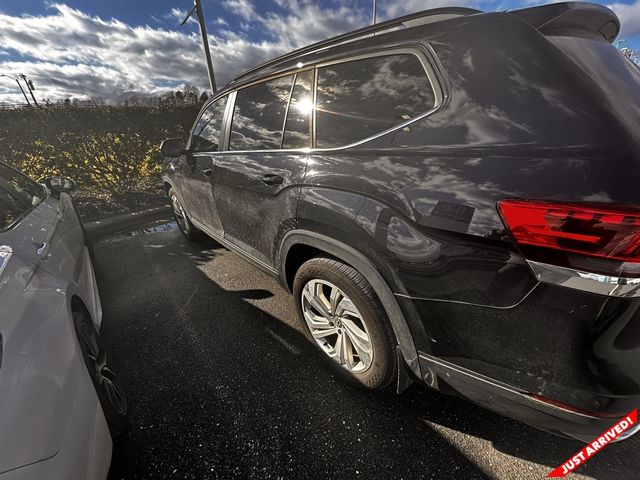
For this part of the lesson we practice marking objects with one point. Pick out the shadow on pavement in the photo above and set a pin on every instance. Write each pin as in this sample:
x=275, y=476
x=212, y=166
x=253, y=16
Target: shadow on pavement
x=218, y=387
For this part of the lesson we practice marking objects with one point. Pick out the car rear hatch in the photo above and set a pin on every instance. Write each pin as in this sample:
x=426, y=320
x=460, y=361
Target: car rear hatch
x=585, y=32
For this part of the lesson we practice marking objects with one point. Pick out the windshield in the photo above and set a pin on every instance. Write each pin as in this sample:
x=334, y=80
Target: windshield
x=21, y=186
x=618, y=77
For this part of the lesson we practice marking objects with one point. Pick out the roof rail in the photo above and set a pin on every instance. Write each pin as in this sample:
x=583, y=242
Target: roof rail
x=563, y=17
x=361, y=32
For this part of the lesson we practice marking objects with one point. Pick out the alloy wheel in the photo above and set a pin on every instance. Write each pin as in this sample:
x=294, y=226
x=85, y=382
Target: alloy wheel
x=337, y=325
x=103, y=375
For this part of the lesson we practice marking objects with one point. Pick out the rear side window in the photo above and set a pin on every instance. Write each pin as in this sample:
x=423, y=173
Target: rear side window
x=258, y=115
x=206, y=134
x=360, y=98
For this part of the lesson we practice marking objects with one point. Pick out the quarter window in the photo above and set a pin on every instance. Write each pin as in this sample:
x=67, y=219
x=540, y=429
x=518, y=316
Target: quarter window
x=360, y=98
x=258, y=115
x=206, y=134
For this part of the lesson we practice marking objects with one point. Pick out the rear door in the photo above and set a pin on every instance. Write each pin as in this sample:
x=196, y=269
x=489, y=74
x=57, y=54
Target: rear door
x=197, y=192
x=256, y=182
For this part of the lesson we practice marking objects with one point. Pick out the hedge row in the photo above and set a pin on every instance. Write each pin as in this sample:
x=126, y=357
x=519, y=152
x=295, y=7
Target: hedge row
x=106, y=149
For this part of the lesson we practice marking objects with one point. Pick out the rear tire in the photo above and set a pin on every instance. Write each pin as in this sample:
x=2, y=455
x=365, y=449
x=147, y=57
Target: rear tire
x=109, y=389
x=343, y=317
x=182, y=219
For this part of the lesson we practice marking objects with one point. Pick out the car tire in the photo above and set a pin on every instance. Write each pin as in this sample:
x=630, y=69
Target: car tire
x=108, y=387
x=182, y=219
x=344, y=319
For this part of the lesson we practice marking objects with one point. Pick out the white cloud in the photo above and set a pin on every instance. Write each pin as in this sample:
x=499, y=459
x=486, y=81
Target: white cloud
x=68, y=53
x=307, y=23
x=243, y=8
x=178, y=14
x=629, y=15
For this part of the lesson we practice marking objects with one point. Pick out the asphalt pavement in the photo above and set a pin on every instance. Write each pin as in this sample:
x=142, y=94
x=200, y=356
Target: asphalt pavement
x=222, y=383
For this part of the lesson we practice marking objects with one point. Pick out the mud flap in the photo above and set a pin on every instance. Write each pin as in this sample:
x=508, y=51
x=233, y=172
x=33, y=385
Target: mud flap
x=404, y=380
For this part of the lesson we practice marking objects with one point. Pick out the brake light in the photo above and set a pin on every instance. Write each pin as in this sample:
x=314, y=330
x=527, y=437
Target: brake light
x=612, y=233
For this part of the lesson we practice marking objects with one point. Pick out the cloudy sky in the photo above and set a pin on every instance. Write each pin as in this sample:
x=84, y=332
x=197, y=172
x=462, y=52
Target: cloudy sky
x=110, y=49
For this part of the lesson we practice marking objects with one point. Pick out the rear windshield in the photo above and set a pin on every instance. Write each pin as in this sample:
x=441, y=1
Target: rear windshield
x=615, y=74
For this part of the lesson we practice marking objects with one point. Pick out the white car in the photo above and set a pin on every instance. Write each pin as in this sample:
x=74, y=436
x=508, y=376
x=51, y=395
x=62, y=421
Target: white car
x=59, y=401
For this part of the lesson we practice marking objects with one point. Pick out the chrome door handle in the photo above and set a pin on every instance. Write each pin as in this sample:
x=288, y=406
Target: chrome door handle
x=272, y=179
x=207, y=172
x=42, y=249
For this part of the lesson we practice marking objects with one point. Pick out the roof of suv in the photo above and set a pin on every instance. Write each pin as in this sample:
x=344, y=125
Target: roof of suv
x=550, y=18
x=420, y=18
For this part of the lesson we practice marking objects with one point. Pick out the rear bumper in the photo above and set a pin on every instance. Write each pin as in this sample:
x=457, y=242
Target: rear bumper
x=561, y=359
x=512, y=402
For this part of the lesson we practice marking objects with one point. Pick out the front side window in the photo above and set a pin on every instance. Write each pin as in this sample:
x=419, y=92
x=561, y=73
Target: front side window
x=360, y=98
x=258, y=115
x=206, y=134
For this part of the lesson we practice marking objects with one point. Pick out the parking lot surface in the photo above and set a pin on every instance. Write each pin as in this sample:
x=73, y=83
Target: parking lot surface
x=222, y=383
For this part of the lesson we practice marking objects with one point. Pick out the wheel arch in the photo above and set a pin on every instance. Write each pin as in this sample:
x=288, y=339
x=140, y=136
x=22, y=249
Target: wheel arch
x=300, y=245
x=78, y=305
x=166, y=183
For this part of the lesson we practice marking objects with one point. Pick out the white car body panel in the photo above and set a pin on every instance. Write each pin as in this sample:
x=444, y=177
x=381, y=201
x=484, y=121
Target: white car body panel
x=51, y=422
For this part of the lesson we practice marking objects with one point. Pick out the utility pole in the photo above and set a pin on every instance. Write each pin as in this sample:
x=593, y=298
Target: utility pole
x=30, y=86
x=197, y=7
x=20, y=86
x=374, y=12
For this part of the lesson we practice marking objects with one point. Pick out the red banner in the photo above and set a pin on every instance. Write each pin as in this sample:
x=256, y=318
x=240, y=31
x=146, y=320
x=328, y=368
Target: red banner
x=598, y=444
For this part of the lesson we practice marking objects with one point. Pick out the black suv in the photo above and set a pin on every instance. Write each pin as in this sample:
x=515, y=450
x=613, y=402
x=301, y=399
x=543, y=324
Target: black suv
x=451, y=196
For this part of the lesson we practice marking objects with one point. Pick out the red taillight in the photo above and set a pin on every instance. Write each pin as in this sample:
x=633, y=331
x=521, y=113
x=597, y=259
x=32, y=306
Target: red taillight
x=612, y=233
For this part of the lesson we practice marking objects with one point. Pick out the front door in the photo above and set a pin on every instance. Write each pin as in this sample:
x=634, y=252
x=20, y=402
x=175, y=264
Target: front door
x=197, y=188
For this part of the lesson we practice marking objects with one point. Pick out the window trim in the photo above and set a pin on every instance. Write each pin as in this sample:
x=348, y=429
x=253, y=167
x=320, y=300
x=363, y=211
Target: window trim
x=314, y=114
x=286, y=110
x=227, y=120
x=423, y=51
